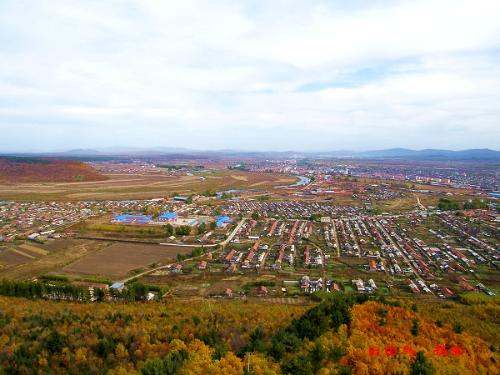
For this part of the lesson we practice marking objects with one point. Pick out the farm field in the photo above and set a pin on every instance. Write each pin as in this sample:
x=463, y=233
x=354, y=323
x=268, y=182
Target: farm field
x=14, y=255
x=26, y=260
x=141, y=186
x=10, y=257
x=118, y=259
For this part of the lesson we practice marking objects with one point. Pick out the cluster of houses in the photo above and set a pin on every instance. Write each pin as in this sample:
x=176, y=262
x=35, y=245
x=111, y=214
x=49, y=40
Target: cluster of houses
x=41, y=219
x=313, y=257
x=397, y=253
x=480, y=251
x=363, y=287
x=132, y=167
x=310, y=286
x=288, y=234
x=289, y=209
x=246, y=260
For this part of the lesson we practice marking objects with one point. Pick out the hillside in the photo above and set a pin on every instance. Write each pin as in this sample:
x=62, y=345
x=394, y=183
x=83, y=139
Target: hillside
x=19, y=170
x=342, y=334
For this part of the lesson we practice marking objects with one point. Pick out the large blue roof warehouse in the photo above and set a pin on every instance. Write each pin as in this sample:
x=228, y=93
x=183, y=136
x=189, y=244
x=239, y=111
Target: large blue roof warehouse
x=133, y=219
x=168, y=216
x=222, y=220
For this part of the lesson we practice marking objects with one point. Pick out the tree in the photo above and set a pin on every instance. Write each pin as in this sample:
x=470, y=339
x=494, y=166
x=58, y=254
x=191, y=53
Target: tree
x=169, y=230
x=99, y=294
x=415, y=327
x=183, y=230
x=209, y=193
x=315, y=217
x=300, y=365
x=256, y=343
x=153, y=366
x=169, y=365
x=475, y=204
x=421, y=366
x=138, y=291
x=383, y=315
x=54, y=342
x=283, y=342
x=446, y=204
x=255, y=215
x=202, y=228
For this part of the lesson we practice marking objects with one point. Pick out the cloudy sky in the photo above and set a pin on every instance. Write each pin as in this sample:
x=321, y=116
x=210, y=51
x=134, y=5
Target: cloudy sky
x=262, y=75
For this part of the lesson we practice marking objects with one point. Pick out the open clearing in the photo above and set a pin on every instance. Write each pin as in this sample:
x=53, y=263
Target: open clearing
x=33, y=249
x=239, y=177
x=140, y=186
x=25, y=261
x=23, y=254
x=11, y=258
x=119, y=259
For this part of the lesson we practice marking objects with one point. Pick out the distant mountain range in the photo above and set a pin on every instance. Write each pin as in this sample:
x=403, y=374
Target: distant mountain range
x=431, y=154
x=393, y=153
x=125, y=151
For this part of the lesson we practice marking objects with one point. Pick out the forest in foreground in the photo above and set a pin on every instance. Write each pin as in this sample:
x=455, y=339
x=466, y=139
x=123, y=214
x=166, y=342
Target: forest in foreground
x=337, y=334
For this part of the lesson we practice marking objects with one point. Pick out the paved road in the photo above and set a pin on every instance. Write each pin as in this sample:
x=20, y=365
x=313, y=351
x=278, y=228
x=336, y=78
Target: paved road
x=355, y=239
x=233, y=233
x=335, y=236
x=419, y=203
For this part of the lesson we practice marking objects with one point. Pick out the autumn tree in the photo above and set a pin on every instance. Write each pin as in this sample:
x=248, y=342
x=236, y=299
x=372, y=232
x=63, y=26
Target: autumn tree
x=421, y=366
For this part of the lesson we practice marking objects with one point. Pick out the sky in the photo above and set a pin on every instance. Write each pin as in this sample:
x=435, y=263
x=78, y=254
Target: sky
x=249, y=75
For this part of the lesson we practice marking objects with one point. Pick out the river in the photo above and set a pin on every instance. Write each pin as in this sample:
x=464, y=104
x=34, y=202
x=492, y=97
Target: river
x=302, y=181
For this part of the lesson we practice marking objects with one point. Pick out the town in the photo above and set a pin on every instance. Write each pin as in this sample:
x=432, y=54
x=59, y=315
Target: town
x=337, y=229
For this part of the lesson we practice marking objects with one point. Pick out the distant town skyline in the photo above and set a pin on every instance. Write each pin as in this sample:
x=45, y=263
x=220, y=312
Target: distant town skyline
x=247, y=75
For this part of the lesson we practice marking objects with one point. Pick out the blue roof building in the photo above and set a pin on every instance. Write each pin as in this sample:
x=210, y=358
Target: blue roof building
x=168, y=216
x=133, y=219
x=118, y=286
x=222, y=220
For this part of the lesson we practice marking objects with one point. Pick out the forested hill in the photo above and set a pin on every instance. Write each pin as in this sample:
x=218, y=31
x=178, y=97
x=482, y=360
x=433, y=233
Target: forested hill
x=340, y=335
x=21, y=169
